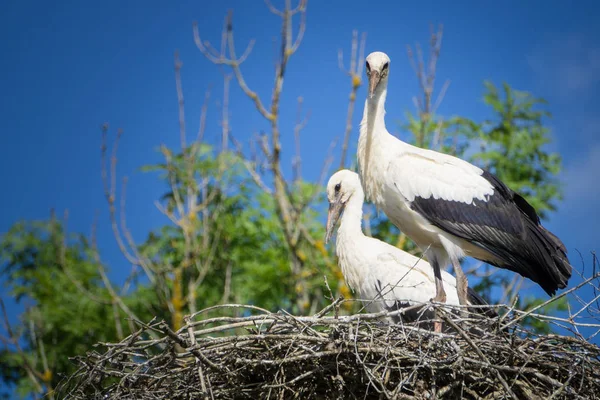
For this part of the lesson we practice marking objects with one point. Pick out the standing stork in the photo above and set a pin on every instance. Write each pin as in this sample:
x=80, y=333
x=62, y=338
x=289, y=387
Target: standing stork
x=385, y=277
x=449, y=207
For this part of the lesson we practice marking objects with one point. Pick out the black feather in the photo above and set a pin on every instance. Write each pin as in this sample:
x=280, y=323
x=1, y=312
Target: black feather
x=508, y=227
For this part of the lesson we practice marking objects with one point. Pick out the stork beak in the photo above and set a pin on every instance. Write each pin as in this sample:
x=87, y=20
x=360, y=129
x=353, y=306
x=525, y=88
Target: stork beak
x=335, y=210
x=374, y=79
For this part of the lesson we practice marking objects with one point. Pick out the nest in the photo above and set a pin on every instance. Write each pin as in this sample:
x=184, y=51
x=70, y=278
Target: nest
x=328, y=356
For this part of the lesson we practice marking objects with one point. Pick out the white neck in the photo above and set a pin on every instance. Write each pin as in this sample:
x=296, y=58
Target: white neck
x=373, y=122
x=372, y=133
x=351, y=222
x=348, y=242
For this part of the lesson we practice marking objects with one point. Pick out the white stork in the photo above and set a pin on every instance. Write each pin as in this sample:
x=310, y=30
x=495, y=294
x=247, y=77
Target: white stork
x=449, y=207
x=385, y=277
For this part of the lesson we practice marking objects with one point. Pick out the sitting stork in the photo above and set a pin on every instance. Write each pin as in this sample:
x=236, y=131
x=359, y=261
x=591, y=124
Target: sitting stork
x=385, y=277
x=449, y=207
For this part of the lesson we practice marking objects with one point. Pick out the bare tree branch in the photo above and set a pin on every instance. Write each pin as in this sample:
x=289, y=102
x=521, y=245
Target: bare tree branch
x=116, y=299
x=181, y=108
x=284, y=200
x=110, y=195
x=225, y=117
x=355, y=73
x=250, y=167
x=234, y=62
x=13, y=339
x=273, y=9
x=426, y=79
x=300, y=125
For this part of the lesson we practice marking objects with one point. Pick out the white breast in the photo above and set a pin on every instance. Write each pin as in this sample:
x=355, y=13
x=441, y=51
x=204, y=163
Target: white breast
x=369, y=264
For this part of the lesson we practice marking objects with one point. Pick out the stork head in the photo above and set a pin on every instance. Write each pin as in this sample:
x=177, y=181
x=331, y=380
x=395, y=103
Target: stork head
x=377, y=67
x=340, y=188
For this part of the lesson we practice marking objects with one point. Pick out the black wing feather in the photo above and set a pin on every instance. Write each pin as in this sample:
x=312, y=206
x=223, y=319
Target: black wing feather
x=508, y=227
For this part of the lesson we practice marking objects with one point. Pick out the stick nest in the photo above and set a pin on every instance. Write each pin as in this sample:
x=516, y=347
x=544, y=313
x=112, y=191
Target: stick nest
x=327, y=356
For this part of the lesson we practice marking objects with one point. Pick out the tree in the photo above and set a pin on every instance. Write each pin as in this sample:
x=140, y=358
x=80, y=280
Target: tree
x=58, y=278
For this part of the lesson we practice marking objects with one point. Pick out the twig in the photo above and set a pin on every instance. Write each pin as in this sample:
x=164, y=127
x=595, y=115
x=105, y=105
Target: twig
x=550, y=300
x=352, y=356
x=355, y=73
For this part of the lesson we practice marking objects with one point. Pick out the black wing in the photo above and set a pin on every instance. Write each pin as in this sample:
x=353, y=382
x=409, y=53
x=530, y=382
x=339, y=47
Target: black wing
x=509, y=228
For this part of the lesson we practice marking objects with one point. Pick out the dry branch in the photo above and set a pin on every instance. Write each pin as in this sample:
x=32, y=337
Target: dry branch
x=357, y=55
x=278, y=355
x=289, y=209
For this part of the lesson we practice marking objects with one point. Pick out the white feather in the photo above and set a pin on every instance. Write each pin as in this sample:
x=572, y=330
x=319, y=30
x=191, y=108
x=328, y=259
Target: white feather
x=364, y=260
x=435, y=174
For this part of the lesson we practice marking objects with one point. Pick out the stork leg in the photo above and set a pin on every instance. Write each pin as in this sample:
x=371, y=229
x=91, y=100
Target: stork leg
x=462, y=283
x=461, y=286
x=440, y=293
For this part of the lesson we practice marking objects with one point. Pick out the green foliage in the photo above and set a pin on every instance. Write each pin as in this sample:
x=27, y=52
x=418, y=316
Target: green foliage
x=49, y=273
x=238, y=231
x=450, y=136
x=513, y=147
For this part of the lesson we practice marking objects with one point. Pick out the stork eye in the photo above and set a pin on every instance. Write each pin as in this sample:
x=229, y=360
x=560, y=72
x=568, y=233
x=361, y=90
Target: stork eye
x=368, y=67
x=385, y=66
x=338, y=187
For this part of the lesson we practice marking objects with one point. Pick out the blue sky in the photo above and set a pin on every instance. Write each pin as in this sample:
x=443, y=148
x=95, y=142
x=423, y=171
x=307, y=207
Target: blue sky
x=68, y=68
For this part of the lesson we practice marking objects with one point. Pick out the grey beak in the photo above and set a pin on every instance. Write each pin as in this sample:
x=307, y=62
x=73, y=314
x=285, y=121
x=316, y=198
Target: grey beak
x=374, y=79
x=335, y=210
